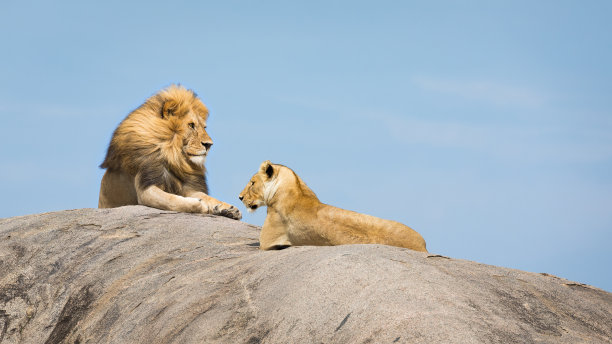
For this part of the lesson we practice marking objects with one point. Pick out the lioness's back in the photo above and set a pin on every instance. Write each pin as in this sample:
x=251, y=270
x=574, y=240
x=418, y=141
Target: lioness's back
x=346, y=225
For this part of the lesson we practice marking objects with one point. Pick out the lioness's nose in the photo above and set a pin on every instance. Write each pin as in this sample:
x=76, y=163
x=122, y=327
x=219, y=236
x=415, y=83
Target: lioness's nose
x=206, y=145
x=240, y=197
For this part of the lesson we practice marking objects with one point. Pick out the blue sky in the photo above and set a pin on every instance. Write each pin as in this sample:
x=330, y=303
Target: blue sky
x=484, y=125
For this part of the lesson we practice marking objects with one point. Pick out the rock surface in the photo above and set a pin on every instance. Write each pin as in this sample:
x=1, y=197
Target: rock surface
x=142, y=275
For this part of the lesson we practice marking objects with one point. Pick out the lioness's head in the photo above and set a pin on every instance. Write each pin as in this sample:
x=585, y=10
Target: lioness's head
x=186, y=115
x=272, y=184
x=262, y=186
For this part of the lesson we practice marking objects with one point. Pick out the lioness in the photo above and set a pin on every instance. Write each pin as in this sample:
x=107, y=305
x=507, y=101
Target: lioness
x=297, y=217
x=156, y=157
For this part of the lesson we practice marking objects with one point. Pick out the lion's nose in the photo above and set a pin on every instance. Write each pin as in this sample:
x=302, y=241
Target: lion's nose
x=240, y=197
x=206, y=145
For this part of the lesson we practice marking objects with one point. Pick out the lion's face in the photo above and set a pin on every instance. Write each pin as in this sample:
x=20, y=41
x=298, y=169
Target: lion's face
x=187, y=116
x=196, y=142
x=253, y=194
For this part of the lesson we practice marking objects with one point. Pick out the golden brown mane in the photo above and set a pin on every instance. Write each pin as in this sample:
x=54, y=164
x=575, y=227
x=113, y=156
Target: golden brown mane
x=150, y=139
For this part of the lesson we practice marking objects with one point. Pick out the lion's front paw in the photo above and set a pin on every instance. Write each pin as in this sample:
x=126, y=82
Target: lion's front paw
x=227, y=211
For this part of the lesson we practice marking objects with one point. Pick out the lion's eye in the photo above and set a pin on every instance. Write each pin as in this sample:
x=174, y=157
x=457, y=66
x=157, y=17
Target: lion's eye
x=192, y=125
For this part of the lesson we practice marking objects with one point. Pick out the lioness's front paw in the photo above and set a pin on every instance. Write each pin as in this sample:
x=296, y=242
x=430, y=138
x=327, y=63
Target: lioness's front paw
x=227, y=211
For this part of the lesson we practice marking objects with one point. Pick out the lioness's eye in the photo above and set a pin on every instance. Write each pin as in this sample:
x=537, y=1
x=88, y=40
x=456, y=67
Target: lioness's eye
x=192, y=125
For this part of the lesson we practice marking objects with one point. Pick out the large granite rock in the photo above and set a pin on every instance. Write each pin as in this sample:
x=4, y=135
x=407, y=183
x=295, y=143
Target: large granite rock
x=141, y=275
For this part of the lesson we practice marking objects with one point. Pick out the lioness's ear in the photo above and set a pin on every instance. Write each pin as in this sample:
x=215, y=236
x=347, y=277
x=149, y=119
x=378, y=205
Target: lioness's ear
x=168, y=108
x=266, y=167
x=269, y=171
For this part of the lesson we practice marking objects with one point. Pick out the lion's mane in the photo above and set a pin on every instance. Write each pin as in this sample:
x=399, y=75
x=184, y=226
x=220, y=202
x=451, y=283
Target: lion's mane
x=149, y=141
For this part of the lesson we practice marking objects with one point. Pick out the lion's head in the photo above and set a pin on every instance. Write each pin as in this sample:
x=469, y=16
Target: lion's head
x=164, y=141
x=185, y=115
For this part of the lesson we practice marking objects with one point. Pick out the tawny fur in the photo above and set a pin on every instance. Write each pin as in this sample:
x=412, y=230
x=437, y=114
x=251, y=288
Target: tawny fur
x=156, y=157
x=297, y=217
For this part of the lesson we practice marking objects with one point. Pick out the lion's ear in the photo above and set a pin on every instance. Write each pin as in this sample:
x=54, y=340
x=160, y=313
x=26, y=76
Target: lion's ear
x=168, y=109
x=266, y=167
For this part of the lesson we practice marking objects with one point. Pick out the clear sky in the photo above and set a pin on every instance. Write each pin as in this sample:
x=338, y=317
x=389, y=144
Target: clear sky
x=484, y=125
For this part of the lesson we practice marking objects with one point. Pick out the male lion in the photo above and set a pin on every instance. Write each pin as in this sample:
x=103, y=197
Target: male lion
x=297, y=217
x=156, y=157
